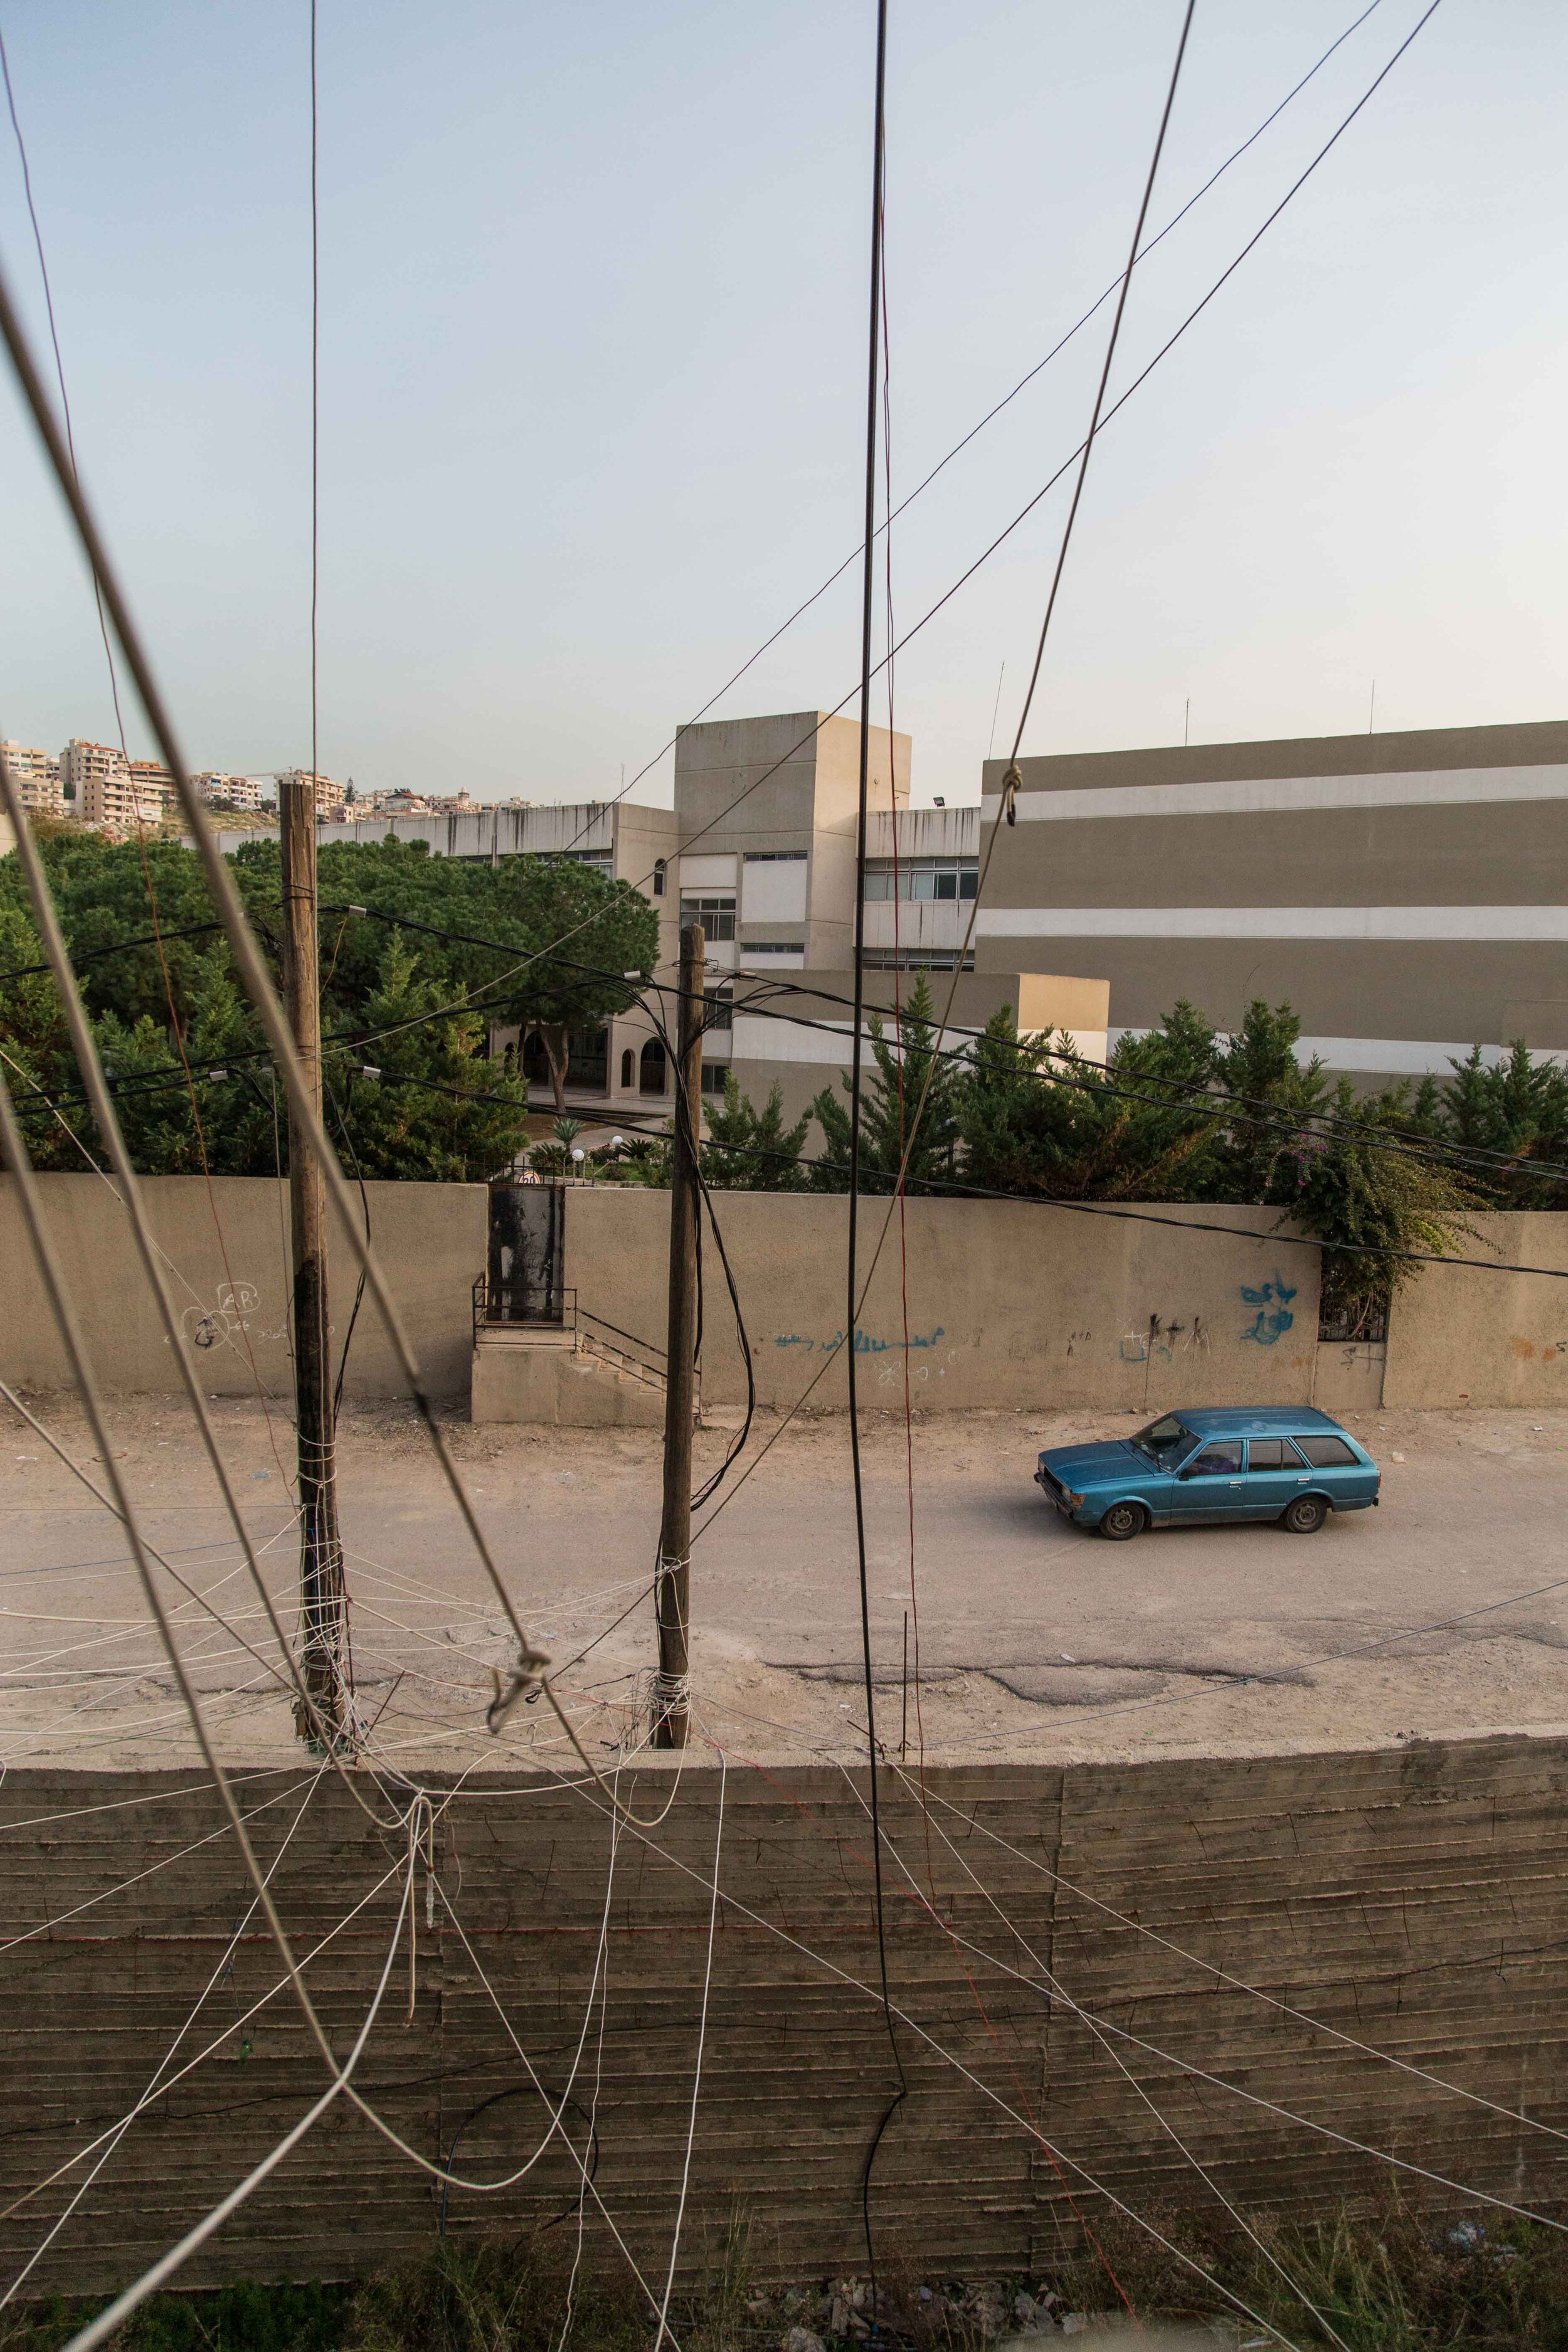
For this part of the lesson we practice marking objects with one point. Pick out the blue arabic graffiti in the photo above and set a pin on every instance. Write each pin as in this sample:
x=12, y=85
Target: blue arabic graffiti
x=865, y=1344
x=1274, y=1318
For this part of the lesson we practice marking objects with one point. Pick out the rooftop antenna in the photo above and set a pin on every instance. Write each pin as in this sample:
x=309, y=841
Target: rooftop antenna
x=1371, y=706
x=994, y=709
x=1187, y=722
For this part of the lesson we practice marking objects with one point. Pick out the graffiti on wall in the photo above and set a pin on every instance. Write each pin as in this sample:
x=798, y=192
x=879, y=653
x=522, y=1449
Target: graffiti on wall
x=865, y=1342
x=1162, y=1342
x=1273, y=1318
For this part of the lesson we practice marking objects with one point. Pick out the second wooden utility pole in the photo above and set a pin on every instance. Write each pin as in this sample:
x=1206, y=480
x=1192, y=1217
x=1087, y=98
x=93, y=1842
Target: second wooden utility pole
x=324, y=1645
x=673, y=1585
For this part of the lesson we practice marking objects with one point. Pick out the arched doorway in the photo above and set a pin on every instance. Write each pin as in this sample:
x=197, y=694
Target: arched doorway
x=651, y=1077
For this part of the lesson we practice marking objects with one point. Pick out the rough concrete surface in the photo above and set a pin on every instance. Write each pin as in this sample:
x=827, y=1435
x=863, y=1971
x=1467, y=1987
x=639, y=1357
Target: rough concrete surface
x=1035, y=1641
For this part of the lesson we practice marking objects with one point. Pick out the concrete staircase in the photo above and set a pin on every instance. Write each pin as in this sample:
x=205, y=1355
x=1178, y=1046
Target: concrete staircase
x=560, y=1379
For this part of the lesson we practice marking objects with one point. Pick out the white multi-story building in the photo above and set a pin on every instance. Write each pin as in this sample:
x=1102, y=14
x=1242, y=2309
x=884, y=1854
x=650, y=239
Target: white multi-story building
x=760, y=849
x=329, y=795
x=111, y=792
x=36, y=776
x=232, y=791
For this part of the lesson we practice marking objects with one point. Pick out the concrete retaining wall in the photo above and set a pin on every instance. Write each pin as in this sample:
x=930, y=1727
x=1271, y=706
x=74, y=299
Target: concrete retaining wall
x=1416, y=1899
x=228, y=1265
x=1007, y=1305
x=1462, y=1336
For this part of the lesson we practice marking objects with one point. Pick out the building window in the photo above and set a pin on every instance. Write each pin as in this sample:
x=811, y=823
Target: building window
x=628, y=1070
x=601, y=860
x=660, y=869
x=713, y=1076
x=715, y=912
x=773, y=947
x=651, y=1081
x=721, y=1015
x=914, y=959
x=587, y=1061
x=922, y=877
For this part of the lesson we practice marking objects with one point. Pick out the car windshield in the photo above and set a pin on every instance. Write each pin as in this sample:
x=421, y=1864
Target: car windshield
x=1163, y=1441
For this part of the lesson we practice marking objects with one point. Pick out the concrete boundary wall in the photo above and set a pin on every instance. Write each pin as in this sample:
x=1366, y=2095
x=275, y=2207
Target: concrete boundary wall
x=1007, y=1304
x=228, y=1265
x=1462, y=1335
x=989, y=1303
x=1415, y=1899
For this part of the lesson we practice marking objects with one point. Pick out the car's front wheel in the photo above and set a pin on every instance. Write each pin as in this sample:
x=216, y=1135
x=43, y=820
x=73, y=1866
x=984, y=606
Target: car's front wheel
x=1124, y=1520
x=1306, y=1515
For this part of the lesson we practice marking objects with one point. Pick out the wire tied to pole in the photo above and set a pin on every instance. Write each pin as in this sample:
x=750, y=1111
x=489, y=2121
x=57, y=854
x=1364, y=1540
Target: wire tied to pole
x=526, y=1676
x=1011, y=784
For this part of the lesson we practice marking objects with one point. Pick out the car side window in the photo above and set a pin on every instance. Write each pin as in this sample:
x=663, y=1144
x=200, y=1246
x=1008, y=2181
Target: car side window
x=1268, y=1454
x=1327, y=1453
x=1220, y=1458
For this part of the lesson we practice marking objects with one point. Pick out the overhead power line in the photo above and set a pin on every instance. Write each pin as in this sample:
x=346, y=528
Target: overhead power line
x=990, y=416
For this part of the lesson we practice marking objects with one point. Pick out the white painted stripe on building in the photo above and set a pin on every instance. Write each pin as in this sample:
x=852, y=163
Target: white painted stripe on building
x=756, y=1039
x=1418, y=788
x=1433, y=923
x=1398, y=1057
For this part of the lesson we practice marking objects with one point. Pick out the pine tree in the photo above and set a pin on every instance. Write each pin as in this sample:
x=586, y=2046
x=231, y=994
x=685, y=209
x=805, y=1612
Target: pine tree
x=909, y=1103
x=752, y=1151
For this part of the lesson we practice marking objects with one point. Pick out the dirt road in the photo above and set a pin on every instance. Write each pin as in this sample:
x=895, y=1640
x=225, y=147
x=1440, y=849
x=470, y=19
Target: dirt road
x=1034, y=1640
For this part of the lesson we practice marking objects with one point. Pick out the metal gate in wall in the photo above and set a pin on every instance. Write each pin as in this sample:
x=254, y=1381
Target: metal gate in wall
x=527, y=1254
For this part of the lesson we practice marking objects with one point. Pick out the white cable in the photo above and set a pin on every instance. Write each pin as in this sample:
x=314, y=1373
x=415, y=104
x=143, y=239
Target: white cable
x=1025, y=2123
x=588, y=2181
x=1223, y=1976
x=697, y=2070
x=46, y=1926
x=156, y=2083
x=1382, y=2155
x=151, y=2279
x=602, y=1985
x=1057, y=1988
x=91, y=2146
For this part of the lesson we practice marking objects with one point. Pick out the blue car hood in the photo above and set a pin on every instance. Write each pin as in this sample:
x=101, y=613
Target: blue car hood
x=1081, y=1466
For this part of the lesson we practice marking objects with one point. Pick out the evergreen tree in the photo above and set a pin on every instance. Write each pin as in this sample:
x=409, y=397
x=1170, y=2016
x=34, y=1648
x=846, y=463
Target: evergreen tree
x=892, y=1120
x=1036, y=1118
x=752, y=1151
x=1517, y=1107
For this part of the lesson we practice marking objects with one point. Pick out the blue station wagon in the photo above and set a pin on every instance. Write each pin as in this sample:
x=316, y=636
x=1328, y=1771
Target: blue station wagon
x=1287, y=1463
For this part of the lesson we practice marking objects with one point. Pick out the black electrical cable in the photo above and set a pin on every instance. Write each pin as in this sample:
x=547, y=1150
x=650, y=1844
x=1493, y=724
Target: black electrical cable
x=1119, y=403
x=1468, y=1159
x=121, y=947
x=1480, y=1159
x=520, y=2091
x=598, y=807
x=738, y=1444
x=1100, y=393
x=364, y=1206
x=867, y=604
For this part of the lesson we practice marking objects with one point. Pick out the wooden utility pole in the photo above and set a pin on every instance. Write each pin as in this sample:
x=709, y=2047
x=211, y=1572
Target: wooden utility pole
x=324, y=1651
x=672, y=1588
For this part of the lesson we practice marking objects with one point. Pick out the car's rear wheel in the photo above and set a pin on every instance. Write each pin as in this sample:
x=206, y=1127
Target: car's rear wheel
x=1306, y=1515
x=1124, y=1520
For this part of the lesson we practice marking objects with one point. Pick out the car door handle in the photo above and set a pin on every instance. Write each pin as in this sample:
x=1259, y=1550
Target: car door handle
x=1235, y=1482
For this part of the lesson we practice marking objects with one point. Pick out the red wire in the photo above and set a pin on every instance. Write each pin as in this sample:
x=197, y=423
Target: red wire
x=902, y=1193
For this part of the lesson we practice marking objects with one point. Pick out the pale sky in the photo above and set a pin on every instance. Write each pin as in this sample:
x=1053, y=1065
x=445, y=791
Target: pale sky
x=592, y=350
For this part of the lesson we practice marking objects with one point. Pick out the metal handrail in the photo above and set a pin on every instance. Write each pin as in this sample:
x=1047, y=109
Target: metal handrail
x=639, y=1356
x=580, y=1314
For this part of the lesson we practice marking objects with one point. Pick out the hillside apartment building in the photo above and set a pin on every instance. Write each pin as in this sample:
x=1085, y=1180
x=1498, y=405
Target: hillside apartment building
x=1407, y=894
